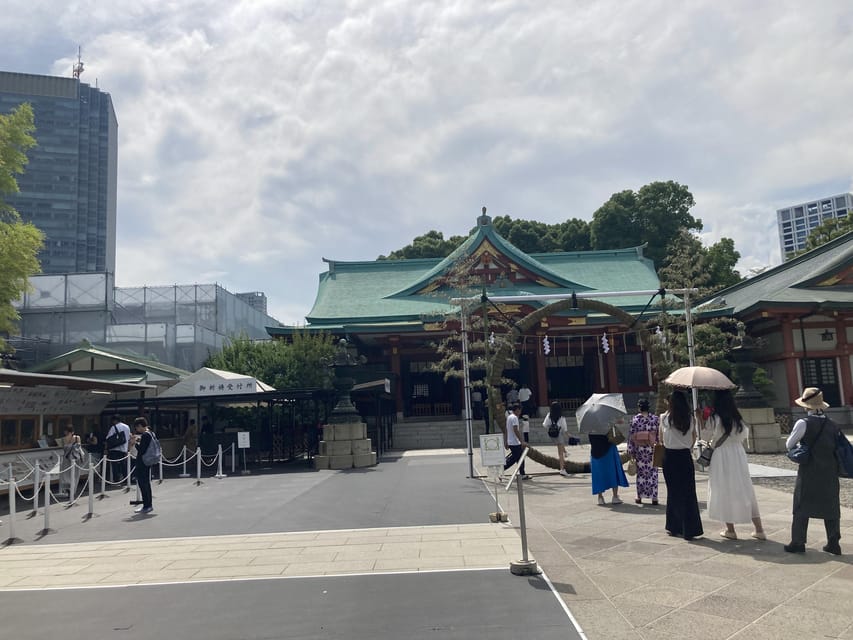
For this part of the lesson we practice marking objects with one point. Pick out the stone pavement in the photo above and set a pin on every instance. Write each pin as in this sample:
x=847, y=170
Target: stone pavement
x=622, y=576
x=614, y=567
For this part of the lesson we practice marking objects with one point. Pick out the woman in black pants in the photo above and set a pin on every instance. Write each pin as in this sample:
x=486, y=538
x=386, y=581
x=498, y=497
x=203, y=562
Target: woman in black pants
x=682, y=507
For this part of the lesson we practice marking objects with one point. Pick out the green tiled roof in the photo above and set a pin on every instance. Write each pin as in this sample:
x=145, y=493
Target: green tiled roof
x=124, y=359
x=813, y=278
x=387, y=291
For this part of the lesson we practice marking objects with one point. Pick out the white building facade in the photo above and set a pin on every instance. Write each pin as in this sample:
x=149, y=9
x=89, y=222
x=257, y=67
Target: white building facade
x=797, y=222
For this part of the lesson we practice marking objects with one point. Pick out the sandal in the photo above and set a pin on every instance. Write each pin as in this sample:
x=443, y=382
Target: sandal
x=759, y=535
x=729, y=535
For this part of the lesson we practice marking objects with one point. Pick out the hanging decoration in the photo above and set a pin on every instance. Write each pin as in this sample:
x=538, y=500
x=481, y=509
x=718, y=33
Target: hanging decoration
x=546, y=345
x=605, y=343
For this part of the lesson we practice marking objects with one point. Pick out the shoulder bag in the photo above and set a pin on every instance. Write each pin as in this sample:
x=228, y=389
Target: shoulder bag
x=115, y=440
x=704, y=459
x=844, y=453
x=615, y=436
x=801, y=453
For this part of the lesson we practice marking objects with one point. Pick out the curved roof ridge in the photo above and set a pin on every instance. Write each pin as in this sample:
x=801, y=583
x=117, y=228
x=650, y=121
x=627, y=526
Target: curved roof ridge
x=486, y=232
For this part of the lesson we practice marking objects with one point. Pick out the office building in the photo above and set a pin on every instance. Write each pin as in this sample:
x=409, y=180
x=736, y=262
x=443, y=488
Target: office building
x=68, y=189
x=796, y=222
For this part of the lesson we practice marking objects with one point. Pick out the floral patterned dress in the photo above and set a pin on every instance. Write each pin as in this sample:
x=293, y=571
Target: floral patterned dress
x=641, y=440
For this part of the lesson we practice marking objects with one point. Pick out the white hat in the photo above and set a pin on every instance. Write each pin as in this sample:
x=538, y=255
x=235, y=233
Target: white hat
x=812, y=398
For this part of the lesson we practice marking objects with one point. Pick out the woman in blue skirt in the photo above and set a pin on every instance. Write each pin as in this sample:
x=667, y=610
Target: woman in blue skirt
x=606, y=467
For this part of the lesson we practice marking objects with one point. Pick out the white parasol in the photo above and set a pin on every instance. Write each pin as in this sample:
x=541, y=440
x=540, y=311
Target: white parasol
x=699, y=378
x=600, y=412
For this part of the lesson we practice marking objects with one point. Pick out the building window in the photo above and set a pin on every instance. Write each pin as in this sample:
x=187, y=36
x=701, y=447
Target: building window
x=821, y=373
x=631, y=369
x=18, y=433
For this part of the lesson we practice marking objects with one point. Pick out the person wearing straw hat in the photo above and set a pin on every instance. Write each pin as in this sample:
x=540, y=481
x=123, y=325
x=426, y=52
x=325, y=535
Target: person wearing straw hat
x=816, y=493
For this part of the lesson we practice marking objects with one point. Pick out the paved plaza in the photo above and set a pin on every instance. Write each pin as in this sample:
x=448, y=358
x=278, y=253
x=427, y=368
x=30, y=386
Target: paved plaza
x=405, y=549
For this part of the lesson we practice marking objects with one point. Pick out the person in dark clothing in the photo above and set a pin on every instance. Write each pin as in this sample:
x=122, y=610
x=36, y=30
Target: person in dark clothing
x=142, y=438
x=816, y=494
x=679, y=435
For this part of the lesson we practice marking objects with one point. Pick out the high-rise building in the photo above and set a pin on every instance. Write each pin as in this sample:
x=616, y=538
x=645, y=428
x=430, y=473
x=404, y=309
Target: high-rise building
x=796, y=222
x=68, y=189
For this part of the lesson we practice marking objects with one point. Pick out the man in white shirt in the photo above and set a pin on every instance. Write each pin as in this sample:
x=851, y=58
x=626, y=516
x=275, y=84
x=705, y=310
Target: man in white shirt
x=116, y=444
x=524, y=396
x=514, y=440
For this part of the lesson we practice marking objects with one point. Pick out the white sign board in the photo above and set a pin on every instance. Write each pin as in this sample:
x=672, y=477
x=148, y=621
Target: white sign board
x=223, y=387
x=243, y=440
x=42, y=400
x=492, y=451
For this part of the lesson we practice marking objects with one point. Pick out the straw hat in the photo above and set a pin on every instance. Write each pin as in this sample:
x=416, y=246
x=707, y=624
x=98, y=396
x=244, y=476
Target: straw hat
x=812, y=398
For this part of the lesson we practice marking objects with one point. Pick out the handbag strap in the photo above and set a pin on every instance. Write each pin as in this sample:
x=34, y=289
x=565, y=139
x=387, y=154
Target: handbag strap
x=720, y=441
x=823, y=420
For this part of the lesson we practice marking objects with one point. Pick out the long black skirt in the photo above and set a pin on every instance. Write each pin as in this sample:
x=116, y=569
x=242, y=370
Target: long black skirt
x=682, y=507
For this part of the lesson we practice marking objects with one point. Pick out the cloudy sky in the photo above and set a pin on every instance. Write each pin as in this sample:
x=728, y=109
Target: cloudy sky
x=257, y=137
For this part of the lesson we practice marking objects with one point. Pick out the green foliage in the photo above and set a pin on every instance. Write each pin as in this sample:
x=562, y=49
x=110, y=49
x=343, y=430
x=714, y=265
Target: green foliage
x=688, y=264
x=827, y=231
x=430, y=245
x=283, y=365
x=20, y=242
x=655, y=215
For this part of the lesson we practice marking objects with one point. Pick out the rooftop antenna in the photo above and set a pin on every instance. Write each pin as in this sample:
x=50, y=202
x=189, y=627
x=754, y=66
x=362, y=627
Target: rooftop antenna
x=77, y=69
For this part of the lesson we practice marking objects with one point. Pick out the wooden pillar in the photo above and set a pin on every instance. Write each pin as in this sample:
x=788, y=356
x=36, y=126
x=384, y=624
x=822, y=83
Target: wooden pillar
x=610, y=363
x=791, y=360
x=394, y=349
x=540, y=391
x=843, y=348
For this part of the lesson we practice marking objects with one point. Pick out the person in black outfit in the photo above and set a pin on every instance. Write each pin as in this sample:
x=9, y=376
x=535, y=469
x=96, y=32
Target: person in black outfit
x=142, y=438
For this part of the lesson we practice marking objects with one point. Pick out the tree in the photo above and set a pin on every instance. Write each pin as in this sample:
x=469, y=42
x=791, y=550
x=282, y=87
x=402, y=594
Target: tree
x=283, y=365
x=20, y=242
x=654, y=215
x=430, y=245
x=827, y=231
x=689, y=264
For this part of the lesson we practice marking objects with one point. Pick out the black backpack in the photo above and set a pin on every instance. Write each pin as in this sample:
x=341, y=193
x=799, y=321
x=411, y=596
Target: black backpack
x=553, y=429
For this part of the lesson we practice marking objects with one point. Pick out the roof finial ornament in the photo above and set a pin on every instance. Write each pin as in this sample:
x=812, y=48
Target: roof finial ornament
x=484, y=220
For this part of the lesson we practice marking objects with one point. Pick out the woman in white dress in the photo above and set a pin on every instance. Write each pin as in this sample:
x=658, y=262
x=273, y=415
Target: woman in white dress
x=731, y=497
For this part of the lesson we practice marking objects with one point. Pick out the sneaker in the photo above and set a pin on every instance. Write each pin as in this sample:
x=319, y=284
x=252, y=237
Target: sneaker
x=147, y=509
x=601, y=501
x=138, y=509
x=616, y=501
x=795, y=548
x=565, y=473
x=527, y=477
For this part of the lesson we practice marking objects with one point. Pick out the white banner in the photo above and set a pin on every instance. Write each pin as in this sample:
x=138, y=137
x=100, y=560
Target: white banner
x=224, y=387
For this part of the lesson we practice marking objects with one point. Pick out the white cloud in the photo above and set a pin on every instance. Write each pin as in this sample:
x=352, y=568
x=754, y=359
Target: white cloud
x=257, y=137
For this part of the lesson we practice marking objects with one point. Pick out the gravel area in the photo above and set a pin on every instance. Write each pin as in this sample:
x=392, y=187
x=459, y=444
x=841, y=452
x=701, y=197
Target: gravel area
x=781, y=461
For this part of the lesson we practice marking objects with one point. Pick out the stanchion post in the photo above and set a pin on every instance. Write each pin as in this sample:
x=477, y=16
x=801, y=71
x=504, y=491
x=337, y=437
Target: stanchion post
x=525, y=566
x=46, y=529
x=13, y=509
x=72, y=483
x=91, y=488
x=219, y=473
x=161, y=470
x=233, y=457
x=103, y=478
x=184, y=473
x=198, y=466
x=36, y=487
x=128, y=472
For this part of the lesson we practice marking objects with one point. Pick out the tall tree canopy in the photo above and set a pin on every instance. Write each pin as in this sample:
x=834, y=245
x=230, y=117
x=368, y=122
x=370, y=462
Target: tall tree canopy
x=690, y=264
x=20, y=242
x=654, y=215
x=284, y=365
x=827, y=231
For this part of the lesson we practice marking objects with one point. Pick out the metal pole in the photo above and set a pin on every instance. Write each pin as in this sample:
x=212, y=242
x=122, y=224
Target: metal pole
x=36, y=487
x=46, y=529
x=219, y=473
x=13, y=509
x=491, y=405
x=467, y=377
x=198, y=466
x=91, y=488
x=691, y=354
x=184, y=473
x=233, y=457
x=128, y=470
x=160, y=470
x=519, y=482
x=103, y=478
